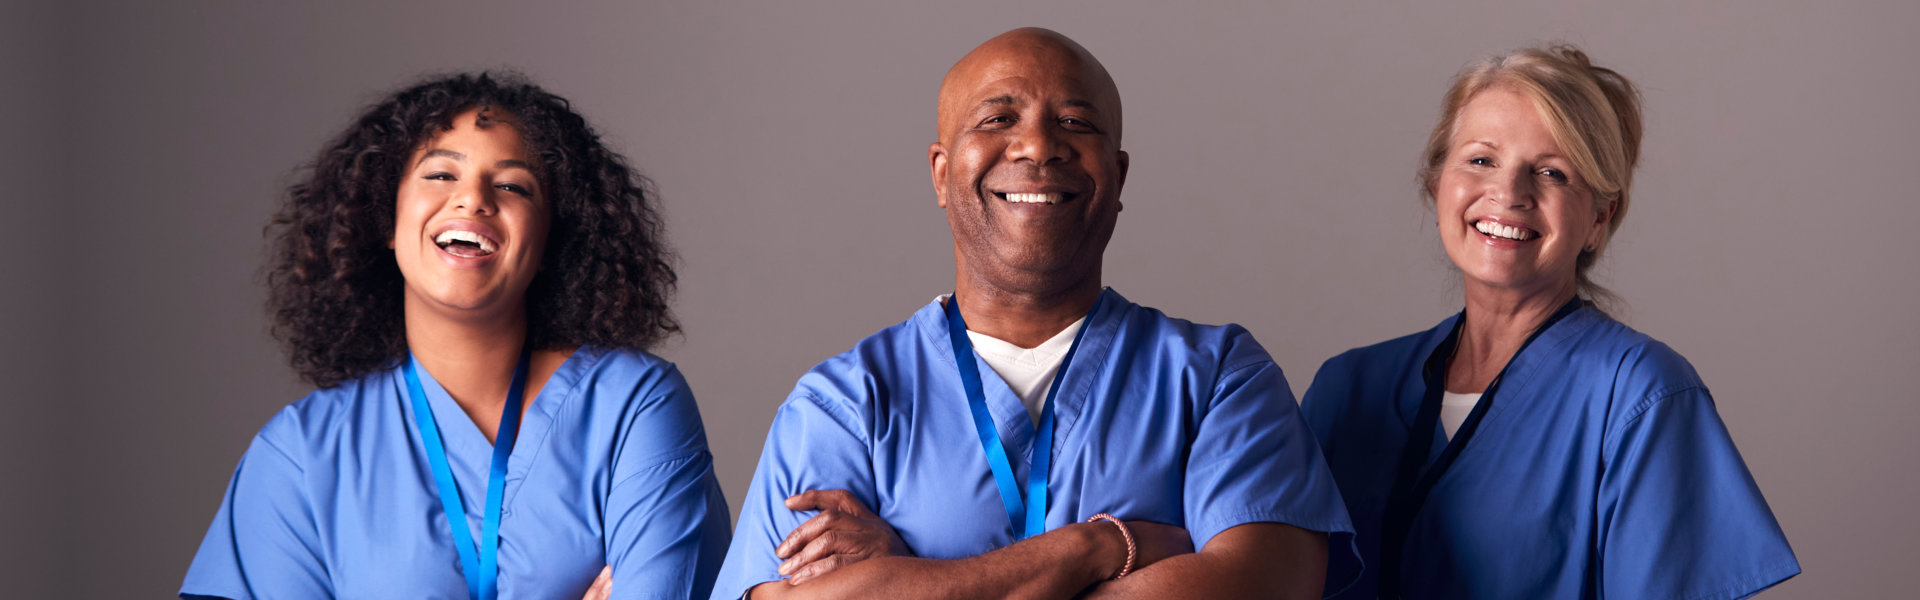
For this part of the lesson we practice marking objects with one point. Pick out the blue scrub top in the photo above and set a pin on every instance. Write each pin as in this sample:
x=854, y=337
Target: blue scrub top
x=335, y=497
x=1600, y=470
x=1158, y=419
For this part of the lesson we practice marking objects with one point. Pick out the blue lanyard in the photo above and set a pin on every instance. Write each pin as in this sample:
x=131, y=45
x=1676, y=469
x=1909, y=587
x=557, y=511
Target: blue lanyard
x=483, y=571
x=1035, y=520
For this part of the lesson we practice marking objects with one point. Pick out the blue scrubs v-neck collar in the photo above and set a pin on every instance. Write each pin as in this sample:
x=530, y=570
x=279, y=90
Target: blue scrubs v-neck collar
x=467, y=447
x=1010, y=416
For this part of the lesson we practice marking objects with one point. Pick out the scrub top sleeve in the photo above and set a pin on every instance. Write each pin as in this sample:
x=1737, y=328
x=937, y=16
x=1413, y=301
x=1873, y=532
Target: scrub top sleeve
x=667, y=530
x=666, y=520
x=1680, y=515
x=264, y=541
x=813, y=445
x=1253, y=459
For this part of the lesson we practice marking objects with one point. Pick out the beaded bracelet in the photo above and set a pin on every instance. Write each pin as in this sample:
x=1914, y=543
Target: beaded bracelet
x=1128, y=568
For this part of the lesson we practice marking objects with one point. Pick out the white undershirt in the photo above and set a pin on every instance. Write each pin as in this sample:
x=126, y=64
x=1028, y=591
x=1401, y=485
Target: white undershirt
x=1029, y=371
x=1454, y=409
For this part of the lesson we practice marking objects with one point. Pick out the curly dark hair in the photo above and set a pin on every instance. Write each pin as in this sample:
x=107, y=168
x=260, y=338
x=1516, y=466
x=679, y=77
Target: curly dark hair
x=335, y=292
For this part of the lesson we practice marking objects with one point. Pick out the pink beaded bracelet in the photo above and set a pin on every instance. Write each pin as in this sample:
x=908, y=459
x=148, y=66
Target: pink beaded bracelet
x=1128, y=568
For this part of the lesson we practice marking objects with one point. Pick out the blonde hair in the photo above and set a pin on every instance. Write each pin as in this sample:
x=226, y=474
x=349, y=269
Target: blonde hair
x=1592, y=112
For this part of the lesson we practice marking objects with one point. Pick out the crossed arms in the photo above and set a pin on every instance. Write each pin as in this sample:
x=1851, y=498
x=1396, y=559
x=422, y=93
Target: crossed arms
x=847, y=552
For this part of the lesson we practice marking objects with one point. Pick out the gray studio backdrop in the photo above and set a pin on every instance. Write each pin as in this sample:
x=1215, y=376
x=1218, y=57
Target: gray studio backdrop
x=1272, y=185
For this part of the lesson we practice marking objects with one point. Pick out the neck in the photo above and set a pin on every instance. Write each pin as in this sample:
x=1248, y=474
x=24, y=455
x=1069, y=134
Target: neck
x=1498, y=322
x=472, y=359
x=1024, y=318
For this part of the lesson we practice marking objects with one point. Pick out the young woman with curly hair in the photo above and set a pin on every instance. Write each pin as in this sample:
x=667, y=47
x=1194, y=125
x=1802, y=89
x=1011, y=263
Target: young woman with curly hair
x=471, y=278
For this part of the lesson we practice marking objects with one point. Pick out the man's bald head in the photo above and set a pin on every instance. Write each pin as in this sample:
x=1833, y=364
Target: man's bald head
x=1029, y=167
x=1032, y=53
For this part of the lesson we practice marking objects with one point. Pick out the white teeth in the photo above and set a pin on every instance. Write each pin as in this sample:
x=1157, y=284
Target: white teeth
x=1035, y=198
x=1503, y=231
x=457, y=235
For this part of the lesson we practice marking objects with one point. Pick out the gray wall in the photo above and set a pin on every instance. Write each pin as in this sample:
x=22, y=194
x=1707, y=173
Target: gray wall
x=1273, y=150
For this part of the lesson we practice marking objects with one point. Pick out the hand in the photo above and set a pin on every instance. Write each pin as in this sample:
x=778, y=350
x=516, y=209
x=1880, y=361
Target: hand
x=602, y=587
x=1152, y=542
x=844, y=532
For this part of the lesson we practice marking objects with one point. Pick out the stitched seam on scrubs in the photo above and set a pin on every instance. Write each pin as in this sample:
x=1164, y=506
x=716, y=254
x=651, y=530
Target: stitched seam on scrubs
x=835, y=413
x=1753, y=583
x=1646, y=405
x=650, y=469
x=537, y=446
x=1214, y=526
x=284, y=455
x=1236, y=337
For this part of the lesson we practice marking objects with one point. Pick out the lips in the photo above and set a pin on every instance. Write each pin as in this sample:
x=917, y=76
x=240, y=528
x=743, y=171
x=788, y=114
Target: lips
x=466, y=239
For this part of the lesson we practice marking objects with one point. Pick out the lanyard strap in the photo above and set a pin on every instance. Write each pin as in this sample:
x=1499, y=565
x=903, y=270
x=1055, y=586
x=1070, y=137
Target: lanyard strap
x=483, y=571
x=1411, y=486
x=1027, y=518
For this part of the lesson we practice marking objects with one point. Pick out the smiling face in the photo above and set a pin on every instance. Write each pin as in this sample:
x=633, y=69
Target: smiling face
x=1513, y=213
x=1028, y=166
x=470, y=220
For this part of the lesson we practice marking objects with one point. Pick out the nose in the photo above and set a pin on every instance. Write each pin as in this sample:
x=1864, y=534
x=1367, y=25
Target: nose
x=1515, y=190
x=474, y=196
x=1039, y=141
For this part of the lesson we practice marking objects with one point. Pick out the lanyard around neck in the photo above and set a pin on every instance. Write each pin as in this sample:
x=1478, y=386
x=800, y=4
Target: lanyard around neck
x=1027, y=518
x=1412, y=485
x=482, y=571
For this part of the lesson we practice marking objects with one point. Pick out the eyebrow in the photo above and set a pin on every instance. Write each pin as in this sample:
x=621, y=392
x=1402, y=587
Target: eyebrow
x=1007, y=100
x=442, y=153
x=503, y=164
x=1001, y=100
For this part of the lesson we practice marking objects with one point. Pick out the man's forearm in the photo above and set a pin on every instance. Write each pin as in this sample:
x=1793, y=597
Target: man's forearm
x=1255, y=560
x=1058, y=564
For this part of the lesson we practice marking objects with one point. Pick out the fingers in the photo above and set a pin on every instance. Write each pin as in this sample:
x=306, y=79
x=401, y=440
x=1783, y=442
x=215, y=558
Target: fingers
x=602, y=587
x=840, y=500
x=828, y=543
x=818, y=568
x=812, y=528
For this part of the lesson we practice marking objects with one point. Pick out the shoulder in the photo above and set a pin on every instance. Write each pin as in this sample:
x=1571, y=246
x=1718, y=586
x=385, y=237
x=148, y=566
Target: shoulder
x=330, y=418
x=1223, y=348
x=1383, y=362
x=1639, y=370
x=850, y=387
x=620, y=371
x=634, y=391
x=1361, y=383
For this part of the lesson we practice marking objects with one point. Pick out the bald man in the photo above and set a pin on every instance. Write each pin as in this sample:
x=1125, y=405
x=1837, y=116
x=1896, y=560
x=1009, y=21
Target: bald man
x=961, y=454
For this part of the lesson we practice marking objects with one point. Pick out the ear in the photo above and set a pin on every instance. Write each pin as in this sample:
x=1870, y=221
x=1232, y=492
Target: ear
x=1600, y=220
x=937, y=163
x=1125, y=161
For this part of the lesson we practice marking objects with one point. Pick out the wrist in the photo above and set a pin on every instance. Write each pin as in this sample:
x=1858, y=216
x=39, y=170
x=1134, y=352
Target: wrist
x=1101, y=551
x=1126, y=537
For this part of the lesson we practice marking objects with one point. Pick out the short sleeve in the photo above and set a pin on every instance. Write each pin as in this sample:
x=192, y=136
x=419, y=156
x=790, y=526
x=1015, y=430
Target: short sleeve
x=264, y=541
x=811, y=446
x=666, y=518
x=1680, y=515
x=1253, y=459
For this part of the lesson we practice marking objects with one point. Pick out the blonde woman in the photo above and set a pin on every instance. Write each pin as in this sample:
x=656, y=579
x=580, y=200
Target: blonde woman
x=1531, y=446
